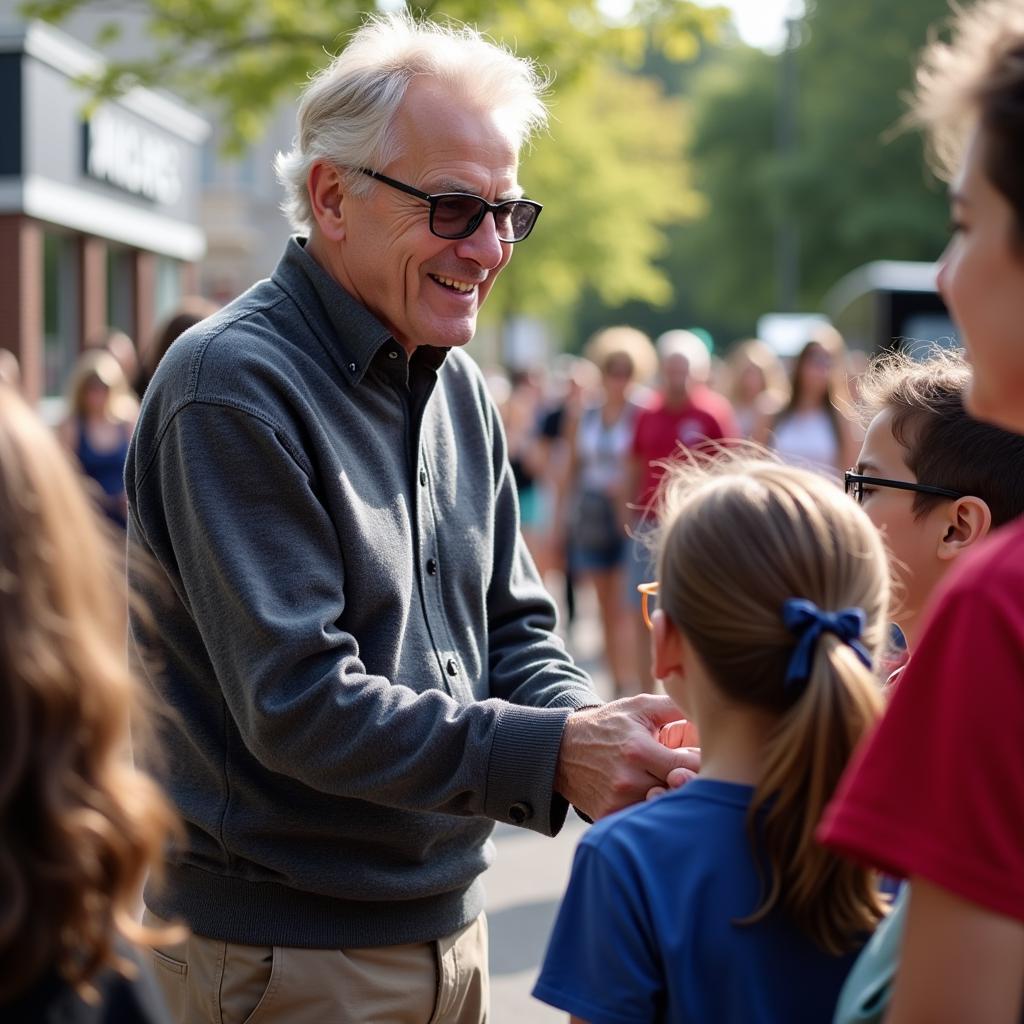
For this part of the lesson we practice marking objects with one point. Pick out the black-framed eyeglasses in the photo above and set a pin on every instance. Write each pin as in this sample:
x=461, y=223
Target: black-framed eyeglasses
x=855, y=483
x=459, y=214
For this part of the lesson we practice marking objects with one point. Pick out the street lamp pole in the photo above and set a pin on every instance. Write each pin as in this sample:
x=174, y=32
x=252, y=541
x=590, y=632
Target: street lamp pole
x=787, y=235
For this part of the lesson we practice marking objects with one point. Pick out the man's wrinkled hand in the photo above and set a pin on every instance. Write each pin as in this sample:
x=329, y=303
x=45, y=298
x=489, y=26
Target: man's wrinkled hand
x=614, y=755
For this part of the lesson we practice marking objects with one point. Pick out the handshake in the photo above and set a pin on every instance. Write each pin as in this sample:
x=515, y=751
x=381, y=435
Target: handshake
x=620, y=753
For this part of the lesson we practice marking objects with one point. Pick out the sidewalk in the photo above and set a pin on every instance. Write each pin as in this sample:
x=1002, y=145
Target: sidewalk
x=525, y=885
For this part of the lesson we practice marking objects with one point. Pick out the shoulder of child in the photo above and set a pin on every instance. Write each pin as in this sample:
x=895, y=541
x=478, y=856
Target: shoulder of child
x=645, y=823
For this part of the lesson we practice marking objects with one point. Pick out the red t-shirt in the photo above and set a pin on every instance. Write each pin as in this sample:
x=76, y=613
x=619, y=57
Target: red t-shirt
x=659, y=432
x=938, y=789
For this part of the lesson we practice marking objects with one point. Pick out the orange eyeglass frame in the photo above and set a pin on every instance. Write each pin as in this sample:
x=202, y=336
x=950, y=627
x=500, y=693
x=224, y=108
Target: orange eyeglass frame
x=647, y=590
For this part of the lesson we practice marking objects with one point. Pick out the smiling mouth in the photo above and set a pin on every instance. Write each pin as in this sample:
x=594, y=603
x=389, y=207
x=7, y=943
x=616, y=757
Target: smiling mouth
x=462, y=287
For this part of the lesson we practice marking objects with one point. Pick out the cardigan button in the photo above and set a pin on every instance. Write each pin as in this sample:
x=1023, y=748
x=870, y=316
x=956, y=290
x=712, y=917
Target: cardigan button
x=520, y=812
x=432, y=566
x=452, y=668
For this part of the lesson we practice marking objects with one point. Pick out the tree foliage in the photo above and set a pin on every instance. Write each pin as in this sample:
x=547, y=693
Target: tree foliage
x=611, y=174
x=240, y=58
x=611, y=171
x=852, y=185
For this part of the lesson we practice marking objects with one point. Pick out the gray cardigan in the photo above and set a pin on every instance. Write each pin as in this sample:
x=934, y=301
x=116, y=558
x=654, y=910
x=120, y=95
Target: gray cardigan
x=352, y=638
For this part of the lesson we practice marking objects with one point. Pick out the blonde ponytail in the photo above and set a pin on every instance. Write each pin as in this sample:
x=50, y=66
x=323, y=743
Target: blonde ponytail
x=832, y=900
x=741, y=540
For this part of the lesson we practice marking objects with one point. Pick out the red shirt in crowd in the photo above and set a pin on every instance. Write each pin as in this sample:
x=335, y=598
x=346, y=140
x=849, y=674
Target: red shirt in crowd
x=938, y=790
x=659, y=432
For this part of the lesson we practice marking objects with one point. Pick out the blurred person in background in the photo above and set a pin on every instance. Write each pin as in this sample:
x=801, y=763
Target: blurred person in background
x=189, y=311
x=79, y=825
x=575, y=380
x=122, y=348
x=10, y=369
x=521, y=413
x=684, y=414
x=814, y=429
x=704, y=371
x=757, y=388
x=857, y=363
x=597, y=505
x=98, y=428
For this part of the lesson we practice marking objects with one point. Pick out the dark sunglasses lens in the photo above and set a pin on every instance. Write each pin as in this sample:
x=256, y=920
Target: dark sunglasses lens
x=515, y=220
x=460, y=216
x=457, y=216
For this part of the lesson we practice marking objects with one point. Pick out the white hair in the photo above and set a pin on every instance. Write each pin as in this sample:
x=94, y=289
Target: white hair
x=687, y=344
x=347, y=112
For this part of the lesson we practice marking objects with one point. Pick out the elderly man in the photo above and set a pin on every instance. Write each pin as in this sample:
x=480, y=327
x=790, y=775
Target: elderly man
x=354, y=642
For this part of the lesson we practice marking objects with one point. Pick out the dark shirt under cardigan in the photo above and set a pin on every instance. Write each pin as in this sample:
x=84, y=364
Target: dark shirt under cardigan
x=354, y=642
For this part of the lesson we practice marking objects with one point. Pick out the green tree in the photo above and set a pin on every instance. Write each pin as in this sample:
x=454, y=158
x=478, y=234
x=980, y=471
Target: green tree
x=859, y=185
x=612, y=175
x=611, y=171
x=852, y=186
x=239, y=58
x=725, y=260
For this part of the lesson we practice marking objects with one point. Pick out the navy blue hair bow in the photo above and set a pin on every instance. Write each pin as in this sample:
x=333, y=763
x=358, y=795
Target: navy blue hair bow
x=807, y=622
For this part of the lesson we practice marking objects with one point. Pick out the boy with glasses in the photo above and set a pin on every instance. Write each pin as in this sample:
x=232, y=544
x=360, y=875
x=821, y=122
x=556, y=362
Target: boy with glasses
x=934, y=480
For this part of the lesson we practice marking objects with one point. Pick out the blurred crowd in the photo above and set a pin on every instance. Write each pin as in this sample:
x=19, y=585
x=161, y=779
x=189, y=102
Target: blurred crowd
x=101, y=403
x=350, y=664
x=587, y=436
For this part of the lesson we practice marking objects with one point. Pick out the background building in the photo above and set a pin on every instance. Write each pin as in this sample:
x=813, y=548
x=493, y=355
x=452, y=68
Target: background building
x=99, y=208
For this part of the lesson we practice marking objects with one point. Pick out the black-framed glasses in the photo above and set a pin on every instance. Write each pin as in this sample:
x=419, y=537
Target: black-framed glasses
x=855, y=483
x=459, y=214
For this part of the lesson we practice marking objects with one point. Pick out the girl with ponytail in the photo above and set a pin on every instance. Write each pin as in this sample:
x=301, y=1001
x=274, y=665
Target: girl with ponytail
x=714, y=902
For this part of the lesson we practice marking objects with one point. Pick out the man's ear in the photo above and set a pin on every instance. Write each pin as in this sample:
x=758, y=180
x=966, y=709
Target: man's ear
x=969, y=520
x=667, y=645
x=326, y=189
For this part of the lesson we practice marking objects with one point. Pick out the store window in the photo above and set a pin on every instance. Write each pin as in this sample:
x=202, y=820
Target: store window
x=168, y=286
x=121, y=289
x=60, y=311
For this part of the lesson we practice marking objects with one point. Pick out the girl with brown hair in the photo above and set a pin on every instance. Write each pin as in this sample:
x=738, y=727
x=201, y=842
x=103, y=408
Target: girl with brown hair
x=813, y=429
x=714, y=902
x=79, y=826
x=98, y=428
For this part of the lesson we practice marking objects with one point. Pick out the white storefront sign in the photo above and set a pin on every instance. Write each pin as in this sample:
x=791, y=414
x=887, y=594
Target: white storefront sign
x=129, y=156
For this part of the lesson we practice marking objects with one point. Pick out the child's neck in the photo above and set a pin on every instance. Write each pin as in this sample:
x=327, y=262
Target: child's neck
x=732, y=742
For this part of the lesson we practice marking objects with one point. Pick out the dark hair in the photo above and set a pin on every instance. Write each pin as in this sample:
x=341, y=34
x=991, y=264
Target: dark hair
x=836, y=400
x=945, y=447
x=190, y=311
x=978, y=77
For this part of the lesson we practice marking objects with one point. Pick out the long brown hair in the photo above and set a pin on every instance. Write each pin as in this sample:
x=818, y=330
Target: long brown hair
x=836, y=402
x=96, y=364
x=79, y=825
x=740, y=538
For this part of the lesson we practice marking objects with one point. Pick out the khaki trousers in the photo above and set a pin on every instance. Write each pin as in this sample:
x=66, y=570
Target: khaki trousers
x=206, y=981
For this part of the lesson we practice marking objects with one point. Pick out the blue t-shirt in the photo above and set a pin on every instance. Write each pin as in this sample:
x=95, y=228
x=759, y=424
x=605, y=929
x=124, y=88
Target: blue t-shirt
x=646, y=931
